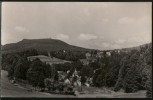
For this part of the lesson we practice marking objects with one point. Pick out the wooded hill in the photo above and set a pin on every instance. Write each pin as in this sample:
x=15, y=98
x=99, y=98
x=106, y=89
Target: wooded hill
x=40, y=45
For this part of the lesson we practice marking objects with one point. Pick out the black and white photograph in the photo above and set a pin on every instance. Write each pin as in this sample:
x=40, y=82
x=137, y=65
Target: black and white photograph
x=76, y=49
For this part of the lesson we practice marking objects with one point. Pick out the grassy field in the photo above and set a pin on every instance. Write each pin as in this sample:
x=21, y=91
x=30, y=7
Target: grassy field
x=93, y=92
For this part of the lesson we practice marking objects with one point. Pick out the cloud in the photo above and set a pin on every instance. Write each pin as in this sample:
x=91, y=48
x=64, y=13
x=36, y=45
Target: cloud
x=21, y=29
x=85, y=37
x=115, y=46
x=135, y=40
x=108, y=45
x=101, y=37
x=105, y=19
x=105, y=45
x=120, y=41
x=125, y=20
x=62, y=36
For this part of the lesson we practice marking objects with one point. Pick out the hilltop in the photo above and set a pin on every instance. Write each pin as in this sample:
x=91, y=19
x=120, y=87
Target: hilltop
x=40, y=45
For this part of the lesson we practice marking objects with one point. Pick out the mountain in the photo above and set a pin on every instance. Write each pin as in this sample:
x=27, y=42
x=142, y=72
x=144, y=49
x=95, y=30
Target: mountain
x=40, y=45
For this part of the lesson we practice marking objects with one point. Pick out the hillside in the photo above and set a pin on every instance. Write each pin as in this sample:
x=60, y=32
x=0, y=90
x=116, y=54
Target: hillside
x=40, y=45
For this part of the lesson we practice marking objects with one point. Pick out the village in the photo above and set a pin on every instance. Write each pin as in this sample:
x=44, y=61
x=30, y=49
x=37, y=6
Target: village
x=74, y=81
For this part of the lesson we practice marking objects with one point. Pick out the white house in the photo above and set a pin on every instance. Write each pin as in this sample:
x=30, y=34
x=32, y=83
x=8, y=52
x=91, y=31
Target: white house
x=108, y=53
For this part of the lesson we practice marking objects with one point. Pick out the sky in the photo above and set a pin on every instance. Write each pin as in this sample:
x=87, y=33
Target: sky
x=95, y=25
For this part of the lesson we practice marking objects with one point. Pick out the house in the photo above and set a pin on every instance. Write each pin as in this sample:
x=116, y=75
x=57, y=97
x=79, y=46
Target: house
x=88, y=55
x=48, y=60
x=67, y=82
x=77, y=78
x=75, y=73
x=108, y=53
x=90, y=81
x=99, y=54
x=118, y=51
x=77, y=83
x=62, y=75
x=84, y=61
x=88, y=59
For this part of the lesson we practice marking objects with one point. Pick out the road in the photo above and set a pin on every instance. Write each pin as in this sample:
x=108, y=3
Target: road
x=10, y=90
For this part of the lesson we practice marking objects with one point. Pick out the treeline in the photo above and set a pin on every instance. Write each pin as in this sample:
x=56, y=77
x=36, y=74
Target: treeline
x=20, y=69
x=71, y=55
x=10, y=59
x=135, y=71
x=131, y=71
x=68, y=55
